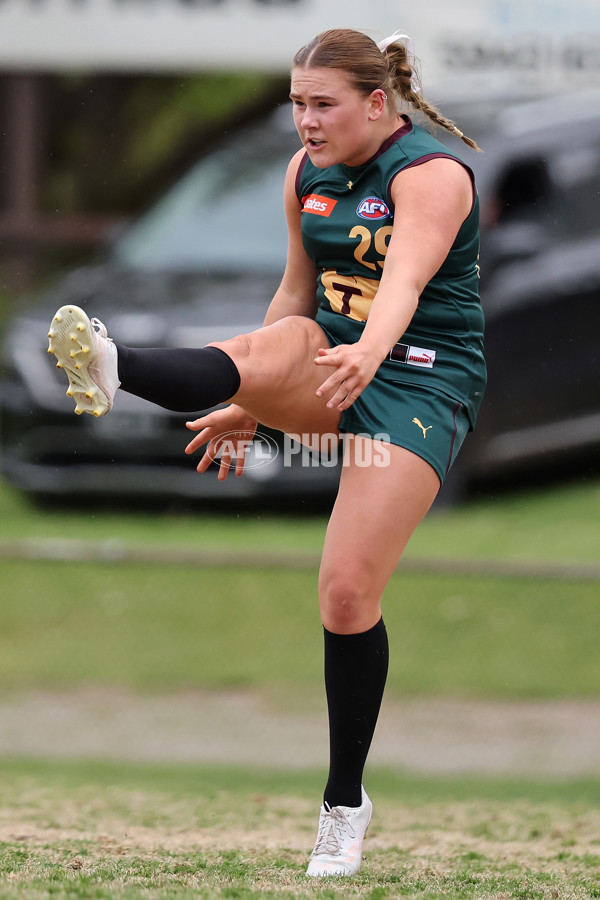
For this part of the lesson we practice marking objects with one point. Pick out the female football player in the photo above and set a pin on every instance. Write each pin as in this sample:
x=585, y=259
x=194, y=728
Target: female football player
x=374, y=335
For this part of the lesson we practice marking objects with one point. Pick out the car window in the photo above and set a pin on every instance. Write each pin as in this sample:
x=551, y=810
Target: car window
x=525, y=191
x=225, y=214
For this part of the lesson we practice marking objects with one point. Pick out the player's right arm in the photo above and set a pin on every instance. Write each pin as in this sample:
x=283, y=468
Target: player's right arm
x=222, y=429
x=296, y=295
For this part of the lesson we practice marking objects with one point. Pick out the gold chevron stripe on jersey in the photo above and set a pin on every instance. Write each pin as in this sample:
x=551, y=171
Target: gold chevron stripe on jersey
x=350, y=295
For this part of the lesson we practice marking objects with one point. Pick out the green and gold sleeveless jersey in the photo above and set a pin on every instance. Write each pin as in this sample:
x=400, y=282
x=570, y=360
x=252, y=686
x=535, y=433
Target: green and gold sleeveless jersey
x=347, y=221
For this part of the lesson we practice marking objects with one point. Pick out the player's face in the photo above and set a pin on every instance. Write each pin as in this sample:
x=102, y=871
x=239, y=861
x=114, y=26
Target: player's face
x=333, y=119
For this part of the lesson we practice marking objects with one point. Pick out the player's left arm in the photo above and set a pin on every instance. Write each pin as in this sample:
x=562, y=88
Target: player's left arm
x=431, y=200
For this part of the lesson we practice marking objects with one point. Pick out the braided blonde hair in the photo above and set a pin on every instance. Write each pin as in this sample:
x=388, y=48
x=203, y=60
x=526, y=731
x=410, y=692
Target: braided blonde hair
x=404, y=80
x=369, y=69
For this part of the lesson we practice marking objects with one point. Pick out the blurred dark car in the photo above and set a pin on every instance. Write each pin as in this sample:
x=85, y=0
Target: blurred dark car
x=540, y=282
x=202, y=264
x=205, y=260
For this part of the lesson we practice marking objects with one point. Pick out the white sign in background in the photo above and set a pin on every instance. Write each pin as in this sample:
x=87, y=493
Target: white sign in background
x=467, y=47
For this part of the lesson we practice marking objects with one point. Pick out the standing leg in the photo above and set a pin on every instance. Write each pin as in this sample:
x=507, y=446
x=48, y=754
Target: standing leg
x=356, y=668
x=376, y=512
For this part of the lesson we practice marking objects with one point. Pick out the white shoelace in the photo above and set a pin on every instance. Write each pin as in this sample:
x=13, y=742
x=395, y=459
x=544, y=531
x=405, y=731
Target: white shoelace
x=100, y=329
x=333, y=828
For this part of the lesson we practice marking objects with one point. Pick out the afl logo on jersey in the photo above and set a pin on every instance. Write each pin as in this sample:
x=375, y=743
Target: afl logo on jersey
x=372, y=208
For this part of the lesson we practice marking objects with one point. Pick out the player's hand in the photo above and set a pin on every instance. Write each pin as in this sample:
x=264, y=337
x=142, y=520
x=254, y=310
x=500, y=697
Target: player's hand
x=354, y=369
x=227, y=432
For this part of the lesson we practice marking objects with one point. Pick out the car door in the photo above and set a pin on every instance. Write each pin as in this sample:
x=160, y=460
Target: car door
x=542, y=305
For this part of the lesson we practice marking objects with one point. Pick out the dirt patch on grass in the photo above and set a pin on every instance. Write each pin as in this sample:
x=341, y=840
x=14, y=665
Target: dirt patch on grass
x=123, y=838
x=428, y=735
x=526, y=834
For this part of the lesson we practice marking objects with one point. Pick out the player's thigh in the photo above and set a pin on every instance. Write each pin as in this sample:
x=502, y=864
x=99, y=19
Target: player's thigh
x=279, y=378
x=385, y=490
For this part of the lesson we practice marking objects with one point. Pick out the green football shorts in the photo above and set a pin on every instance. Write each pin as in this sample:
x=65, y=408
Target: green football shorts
x=420, y=419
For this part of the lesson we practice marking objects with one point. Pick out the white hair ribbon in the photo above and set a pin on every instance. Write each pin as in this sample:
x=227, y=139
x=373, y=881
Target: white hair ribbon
x=398, y=36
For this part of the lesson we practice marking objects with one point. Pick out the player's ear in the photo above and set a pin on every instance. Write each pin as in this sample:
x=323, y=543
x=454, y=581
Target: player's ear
x=377, y=101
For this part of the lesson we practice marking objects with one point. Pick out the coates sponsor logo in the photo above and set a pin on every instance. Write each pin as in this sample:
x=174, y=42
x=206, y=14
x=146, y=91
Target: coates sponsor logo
x=372, y=208
x=320, y=206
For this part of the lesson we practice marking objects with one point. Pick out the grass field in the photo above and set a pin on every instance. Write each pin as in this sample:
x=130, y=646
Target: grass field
x=132, y=833
x=82, y=830
x=152, y=624
x=535, y=525
x=164, y=627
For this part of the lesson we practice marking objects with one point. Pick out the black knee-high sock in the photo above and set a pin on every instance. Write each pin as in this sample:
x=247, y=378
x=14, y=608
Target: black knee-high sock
x=181, y=379
x=355, y=674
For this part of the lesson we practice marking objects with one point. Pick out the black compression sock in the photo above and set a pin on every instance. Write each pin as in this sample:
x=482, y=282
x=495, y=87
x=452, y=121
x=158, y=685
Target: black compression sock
x=355, y=674
x=183, y=380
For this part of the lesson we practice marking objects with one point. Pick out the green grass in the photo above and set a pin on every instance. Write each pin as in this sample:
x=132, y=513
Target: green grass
x=162, y=626
x=114, y=831
x=537, y=525
x=166, y=627
x=557, y=524
x=102, y=831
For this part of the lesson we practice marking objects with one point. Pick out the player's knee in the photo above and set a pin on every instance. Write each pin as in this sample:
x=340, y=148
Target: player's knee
x=346, y=603
x=238, y=348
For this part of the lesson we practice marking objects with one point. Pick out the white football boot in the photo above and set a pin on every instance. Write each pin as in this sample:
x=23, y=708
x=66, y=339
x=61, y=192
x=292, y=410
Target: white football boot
x=88, y=356
x=338, y=848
